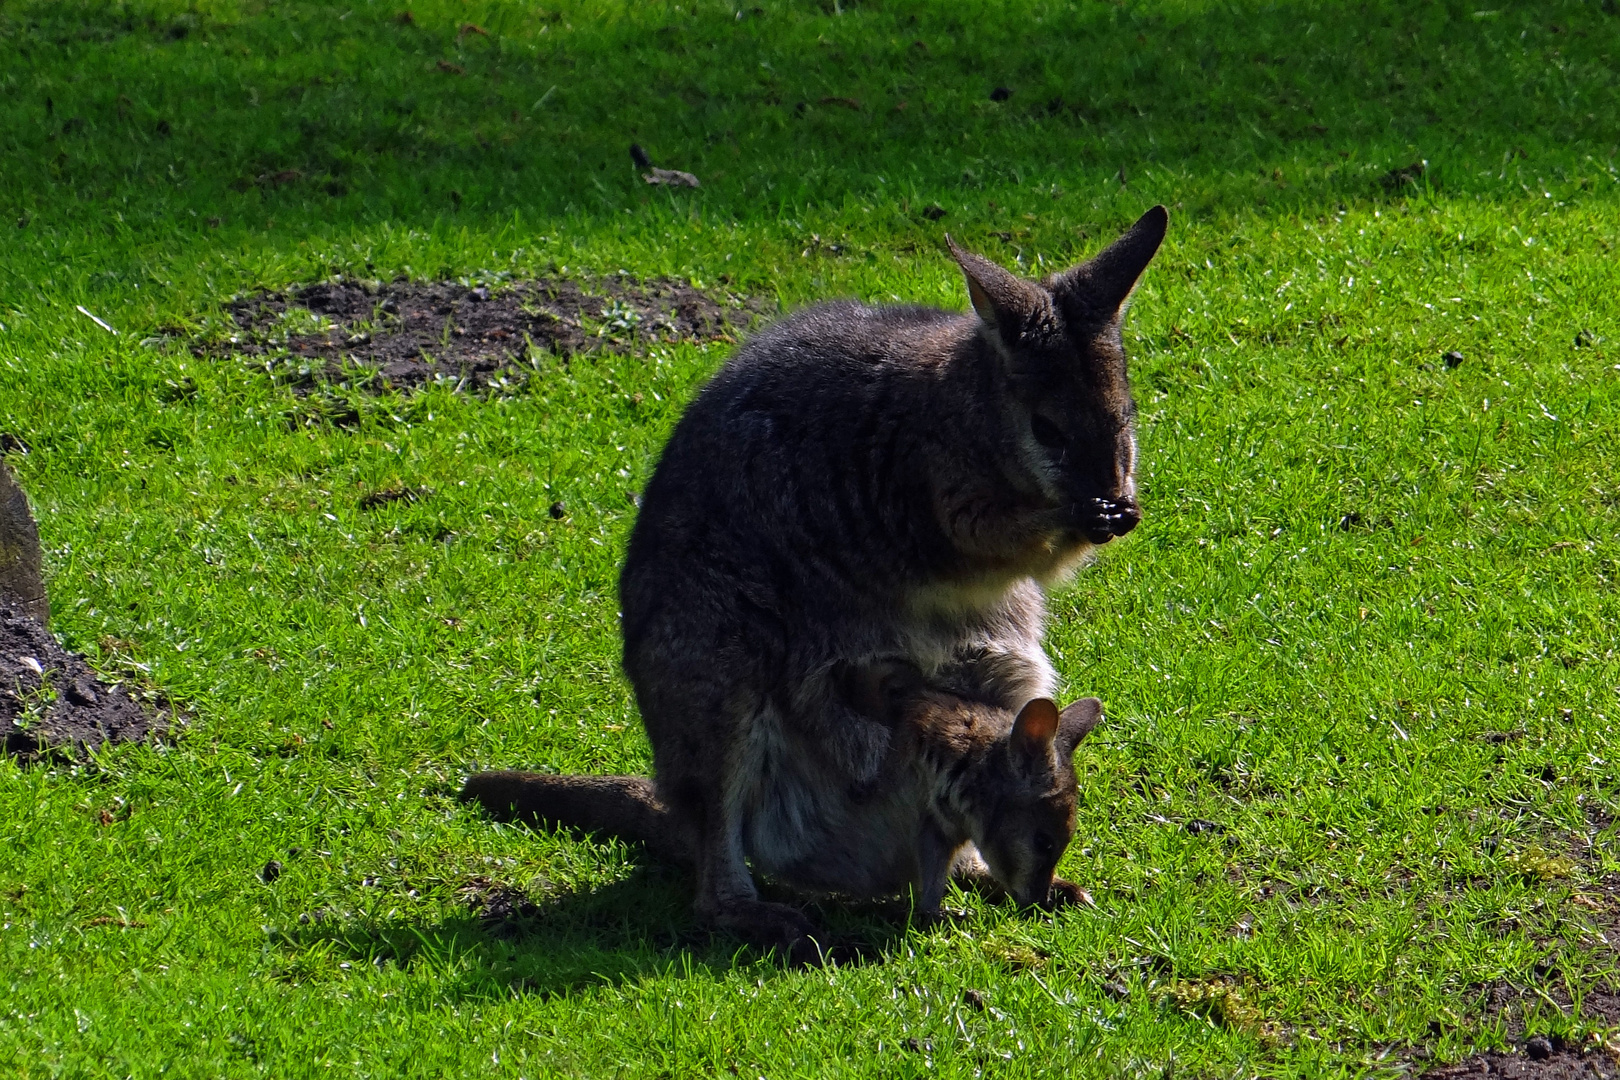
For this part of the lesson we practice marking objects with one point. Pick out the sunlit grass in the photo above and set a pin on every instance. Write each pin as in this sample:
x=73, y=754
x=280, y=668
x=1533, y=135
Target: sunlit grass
x=1358, y=661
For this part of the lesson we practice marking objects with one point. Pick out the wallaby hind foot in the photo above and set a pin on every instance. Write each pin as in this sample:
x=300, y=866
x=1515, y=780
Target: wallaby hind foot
x=625, y=807
x=1067, y=894
x=765, y=925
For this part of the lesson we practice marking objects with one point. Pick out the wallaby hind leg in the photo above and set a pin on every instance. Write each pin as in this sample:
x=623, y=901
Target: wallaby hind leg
x=626, y=807
x=726, y=896
x=762, y=923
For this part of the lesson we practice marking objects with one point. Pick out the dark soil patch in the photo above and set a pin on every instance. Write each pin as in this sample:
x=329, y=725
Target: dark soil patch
x=502, y=909
x=1512, y=1003
x=374, y=499
x=50, y=700
x=404, y=334
x=1549, y=1057
x=1544, y=1062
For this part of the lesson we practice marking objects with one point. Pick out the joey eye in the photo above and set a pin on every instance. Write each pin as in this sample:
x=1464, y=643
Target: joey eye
x=1046, y=433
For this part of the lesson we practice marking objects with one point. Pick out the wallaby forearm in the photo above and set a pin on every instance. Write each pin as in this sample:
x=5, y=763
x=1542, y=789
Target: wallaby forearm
x=626, y=807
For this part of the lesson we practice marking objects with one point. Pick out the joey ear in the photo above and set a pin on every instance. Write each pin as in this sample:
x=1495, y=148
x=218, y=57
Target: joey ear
x=1106, y=282
x=1002, y=300
x=1036, y=726
x=1076, y=722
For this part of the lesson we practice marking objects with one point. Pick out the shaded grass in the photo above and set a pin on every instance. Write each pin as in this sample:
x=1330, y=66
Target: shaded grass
x=1309, y=851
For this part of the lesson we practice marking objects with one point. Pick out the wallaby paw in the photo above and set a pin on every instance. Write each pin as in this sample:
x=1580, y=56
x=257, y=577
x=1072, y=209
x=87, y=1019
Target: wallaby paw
x=1067, y=894
x=774, y=926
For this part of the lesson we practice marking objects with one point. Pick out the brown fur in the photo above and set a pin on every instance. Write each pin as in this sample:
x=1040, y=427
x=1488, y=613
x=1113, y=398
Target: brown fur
x=966, y=791
x=625, y=807
x=871, y=489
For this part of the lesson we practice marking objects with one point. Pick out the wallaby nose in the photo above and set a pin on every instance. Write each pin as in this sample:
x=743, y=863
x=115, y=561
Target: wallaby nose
x=1126, y=516
x=1108, y=518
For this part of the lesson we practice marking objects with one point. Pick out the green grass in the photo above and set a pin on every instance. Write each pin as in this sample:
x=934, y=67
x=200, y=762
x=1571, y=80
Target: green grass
x=1355, y=560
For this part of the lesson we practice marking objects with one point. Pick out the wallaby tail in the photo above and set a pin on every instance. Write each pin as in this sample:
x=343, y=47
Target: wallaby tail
x=622, y=806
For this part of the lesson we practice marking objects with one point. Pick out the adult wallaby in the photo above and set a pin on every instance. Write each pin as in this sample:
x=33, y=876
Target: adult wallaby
x=862, y=490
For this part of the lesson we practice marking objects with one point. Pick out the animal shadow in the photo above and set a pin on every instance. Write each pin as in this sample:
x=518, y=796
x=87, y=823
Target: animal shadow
x=500, y=940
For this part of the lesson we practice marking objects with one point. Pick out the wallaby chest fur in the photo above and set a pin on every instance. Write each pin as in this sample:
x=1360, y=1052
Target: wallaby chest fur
x=841, y=489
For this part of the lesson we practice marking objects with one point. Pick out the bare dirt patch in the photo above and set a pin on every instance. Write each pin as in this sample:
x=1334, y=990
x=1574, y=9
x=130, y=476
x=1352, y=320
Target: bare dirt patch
x=1511, y=1003
x=503, y=910
x=404, y=334
x=1543, y=1061
x=1514, y=1004
x=52, y=702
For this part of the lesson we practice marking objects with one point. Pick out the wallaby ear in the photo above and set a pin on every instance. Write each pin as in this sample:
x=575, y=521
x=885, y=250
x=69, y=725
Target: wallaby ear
x=1076, y=722
x=1004, y=301
x=1036, y=727
x=1105, y=283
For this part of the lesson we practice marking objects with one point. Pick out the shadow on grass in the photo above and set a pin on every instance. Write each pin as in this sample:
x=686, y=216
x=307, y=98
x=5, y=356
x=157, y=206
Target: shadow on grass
x=502, y=942
x=913, y=106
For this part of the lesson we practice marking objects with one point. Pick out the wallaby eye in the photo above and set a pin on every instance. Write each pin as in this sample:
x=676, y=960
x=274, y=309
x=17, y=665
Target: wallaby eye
x=1046, y=433
x=1043, y=844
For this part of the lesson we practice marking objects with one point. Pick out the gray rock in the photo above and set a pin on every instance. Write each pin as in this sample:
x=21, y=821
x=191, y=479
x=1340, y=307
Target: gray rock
x=20, y=578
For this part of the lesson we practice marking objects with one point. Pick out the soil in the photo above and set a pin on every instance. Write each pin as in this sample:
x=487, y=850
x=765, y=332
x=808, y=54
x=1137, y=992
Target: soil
x=1548, y=1057
x=1508, y=1002
x=1544, y=1063
x=404, y=334
x=63, y=708
x=504, y=910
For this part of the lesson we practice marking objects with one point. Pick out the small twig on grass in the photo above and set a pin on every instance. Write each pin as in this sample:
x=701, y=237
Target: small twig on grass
x=672, y=178
x=92, y=318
